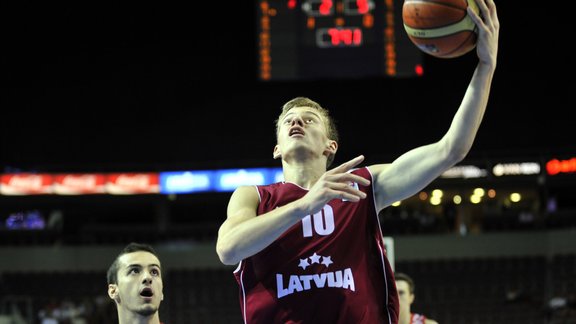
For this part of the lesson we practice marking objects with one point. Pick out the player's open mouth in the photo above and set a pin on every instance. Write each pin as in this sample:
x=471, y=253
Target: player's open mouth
x=146, y=293
x=296, y=131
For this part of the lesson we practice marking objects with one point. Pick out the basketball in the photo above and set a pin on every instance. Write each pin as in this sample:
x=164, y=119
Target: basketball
x=441, y=28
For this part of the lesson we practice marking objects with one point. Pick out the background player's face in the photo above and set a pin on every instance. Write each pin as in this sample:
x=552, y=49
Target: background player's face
x=139, y=288
x=405, y=297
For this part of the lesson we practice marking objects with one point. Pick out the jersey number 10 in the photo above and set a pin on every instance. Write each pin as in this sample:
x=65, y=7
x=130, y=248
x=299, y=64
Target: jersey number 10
x=323, y=222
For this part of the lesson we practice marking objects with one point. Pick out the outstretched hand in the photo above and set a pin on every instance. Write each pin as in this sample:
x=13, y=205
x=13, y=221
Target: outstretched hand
x=336, y=184
x=488, y=30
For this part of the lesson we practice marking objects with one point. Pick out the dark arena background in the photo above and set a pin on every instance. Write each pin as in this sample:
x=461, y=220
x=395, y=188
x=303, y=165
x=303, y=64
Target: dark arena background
x=116, y=118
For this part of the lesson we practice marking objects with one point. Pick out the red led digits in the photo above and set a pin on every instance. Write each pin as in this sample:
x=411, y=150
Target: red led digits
x=345, y=36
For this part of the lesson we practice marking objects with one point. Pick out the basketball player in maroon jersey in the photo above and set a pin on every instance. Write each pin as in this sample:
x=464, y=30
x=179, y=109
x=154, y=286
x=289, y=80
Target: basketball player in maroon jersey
x=406, y=295
x=309, y=249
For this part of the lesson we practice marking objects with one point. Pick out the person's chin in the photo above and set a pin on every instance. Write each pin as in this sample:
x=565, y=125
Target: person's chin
x=148, y=309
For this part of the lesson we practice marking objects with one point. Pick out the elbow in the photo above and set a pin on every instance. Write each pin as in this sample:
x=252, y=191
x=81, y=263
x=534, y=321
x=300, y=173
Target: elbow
x=227, y=260
x=456, y=152
x=226, y=255
x=458, y=155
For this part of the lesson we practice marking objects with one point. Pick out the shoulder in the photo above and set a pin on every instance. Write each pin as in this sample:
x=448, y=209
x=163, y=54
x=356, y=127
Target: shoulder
x=430, y=321
x=243, y=193
x=245, y=189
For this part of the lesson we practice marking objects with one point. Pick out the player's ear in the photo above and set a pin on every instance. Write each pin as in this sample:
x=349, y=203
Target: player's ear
x=331, y=147
x=113, y=292
x=276, y=153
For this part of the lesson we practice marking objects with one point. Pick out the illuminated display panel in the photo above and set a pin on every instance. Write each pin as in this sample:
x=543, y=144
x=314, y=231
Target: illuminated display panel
x=318, y=39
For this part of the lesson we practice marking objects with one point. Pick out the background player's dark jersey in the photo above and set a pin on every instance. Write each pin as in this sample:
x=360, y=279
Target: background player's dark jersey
x=330, y=267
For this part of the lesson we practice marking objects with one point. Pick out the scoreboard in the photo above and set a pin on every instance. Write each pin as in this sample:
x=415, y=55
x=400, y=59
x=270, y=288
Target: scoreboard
x=325, y=39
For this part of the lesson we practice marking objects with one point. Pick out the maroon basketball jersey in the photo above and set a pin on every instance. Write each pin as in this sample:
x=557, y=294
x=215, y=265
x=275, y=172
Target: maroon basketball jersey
x=331, y=267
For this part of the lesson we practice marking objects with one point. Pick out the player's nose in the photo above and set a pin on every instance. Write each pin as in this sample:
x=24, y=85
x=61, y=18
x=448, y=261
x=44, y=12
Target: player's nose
x=146, y=277
x=297, y=120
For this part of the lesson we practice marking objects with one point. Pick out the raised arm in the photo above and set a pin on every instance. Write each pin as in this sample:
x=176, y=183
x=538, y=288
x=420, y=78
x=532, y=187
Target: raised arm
x=417, y=168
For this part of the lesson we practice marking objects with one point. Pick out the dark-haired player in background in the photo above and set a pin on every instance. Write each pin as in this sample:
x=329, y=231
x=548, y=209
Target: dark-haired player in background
x=135, y=284
x=310, y=249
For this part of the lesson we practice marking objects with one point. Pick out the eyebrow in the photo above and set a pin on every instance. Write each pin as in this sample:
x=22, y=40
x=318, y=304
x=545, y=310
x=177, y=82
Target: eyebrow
x=140, y=266
x=305, y=112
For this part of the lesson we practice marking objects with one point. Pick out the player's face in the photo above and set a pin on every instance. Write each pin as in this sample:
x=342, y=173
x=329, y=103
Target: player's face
x=302, y=131
x=404, y=295
x=139, y=288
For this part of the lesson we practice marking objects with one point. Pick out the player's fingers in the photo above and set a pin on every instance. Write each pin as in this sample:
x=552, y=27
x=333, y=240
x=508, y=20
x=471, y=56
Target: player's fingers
x=351, y=196
x=349, y=178
x=475, y=16
x=346, y=166
x=491, y=5
x=351, y=190
x=486, y=19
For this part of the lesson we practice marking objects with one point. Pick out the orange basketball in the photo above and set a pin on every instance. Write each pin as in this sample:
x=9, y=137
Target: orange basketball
x=441, y=28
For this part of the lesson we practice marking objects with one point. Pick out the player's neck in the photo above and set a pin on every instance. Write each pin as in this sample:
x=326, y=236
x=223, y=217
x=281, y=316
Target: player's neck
x=132, y=318
x=304, y=174
x=405, y=318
